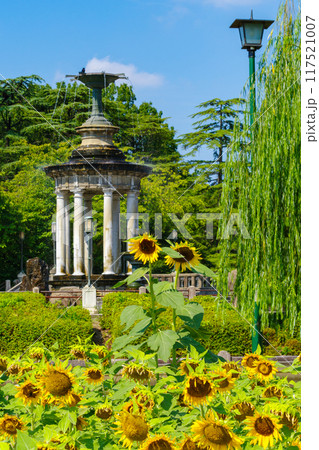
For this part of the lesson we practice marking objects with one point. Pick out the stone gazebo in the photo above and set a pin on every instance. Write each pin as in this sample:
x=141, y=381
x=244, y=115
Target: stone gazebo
x=97, y=166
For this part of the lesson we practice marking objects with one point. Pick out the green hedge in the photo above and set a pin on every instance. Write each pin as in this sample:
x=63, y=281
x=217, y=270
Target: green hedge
x=227, y=330
x=22, y=322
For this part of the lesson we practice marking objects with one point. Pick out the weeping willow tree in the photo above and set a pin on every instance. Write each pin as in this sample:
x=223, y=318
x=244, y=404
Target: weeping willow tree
x=262, y=183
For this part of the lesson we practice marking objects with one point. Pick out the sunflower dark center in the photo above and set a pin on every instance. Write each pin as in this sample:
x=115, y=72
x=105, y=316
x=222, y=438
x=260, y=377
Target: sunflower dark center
x=30, y=391
x=272, y=391
x=3, y=365
x=189, y=445
x=147, y=246
x=94, y=374
x=187, y=254
x=58, y=383
x=11, y=425
x=250, y=361
x=160, y=444
x=104, y=413
x=265, y=368
x=199, y=388
x=217, y=434
x=264, y=426
x=223, y=383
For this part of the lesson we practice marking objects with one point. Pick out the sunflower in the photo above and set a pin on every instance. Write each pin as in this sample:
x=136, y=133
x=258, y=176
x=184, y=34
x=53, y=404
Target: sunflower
x=133, y=428
x=93, y=375
x=249, y=359
x=75, y=399
x=246, y=409
x=184, y=366
x=264, y=370
x=189, y=257
x=264, y=429
x=223, y=381
x=36, y=353
x=133, y=407
x=145, y=248
x=28, y=392
x=272, y=391
x=81, y=423
x=78, y=352
x=296, y=443
x=198, y=390
x=138, y=373
x=14, y=369
x=3, y=364
x=57, y=384
x=214, y=434
x=144, y=400
x=9, y=426
x=233, y=368
x=188, y=444
x=158, y=442
x=104, y=412
x=100, y=350
x=289, y=420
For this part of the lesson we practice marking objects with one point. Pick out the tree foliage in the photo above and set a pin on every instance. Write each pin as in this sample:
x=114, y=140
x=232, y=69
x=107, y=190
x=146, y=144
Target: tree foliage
x=262, y=181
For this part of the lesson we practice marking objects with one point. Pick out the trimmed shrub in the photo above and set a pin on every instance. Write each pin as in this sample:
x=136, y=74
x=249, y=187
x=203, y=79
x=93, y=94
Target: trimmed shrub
x=226, y=329
x=23, y=322
x=20, y=298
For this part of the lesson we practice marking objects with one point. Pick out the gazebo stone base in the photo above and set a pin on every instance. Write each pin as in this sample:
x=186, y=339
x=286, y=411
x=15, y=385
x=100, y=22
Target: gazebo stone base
x=101, y=282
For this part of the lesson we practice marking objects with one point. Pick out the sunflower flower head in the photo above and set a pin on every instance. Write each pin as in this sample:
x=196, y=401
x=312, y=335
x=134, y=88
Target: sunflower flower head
x=264, y=370
x=232, y=367
x=94, y=375
x=36, y=353
x=189, y=257
x=188, y=444
x=214, y=434
x=223, y=381
x=138, y=372
x=57, y=384
x=198, y=390
x=104, y=412
x=144, y=248
x=158, y=442
x=9, y=426
x=100, y=350
x=272, y=391
x=28, y=392
x=78, y=352
x=264, y=429
x=3, y=364
x=246, y=409
x=133, y=428
x=188, y=366
x=249, y=359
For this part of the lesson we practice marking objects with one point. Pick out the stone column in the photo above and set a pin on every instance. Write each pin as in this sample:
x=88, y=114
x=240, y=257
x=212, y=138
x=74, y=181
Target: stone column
x=116, y=243
x=132, y=218
x=131, y=214
x=87, y=212
x=78, y=228
x=67, y=232
x=107, y=232
x=60, y=259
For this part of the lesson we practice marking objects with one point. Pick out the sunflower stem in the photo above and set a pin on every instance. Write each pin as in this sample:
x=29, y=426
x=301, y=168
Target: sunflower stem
x=202, y=410
x=153, y=308
x=32, y=416
x=174, y=318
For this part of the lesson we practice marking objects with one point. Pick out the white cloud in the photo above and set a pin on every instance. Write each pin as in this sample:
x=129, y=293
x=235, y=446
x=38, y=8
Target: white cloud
x=59, y=76
x=138, y=79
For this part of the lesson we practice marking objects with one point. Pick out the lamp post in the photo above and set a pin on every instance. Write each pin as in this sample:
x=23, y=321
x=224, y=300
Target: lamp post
x=53, y=231
x=251, y=34
x=21, y=274
x=88, y=229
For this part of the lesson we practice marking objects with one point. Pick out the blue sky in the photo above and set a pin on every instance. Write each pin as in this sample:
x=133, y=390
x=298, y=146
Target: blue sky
x=177, y=53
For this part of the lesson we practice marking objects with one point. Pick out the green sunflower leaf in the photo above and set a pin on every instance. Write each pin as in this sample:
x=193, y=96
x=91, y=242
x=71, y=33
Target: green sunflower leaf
x=163, y=342
x=25, y=442
x=202, y=269
x=138, y=273
x=131, y=314
x=174, y=299
x=191, y=313
x=170, y=252
x=162, y=286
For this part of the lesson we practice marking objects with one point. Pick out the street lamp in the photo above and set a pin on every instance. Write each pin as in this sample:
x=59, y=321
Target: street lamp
x=88, y=229
x=21, y=274
x=53, y=231
x=251, y=33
